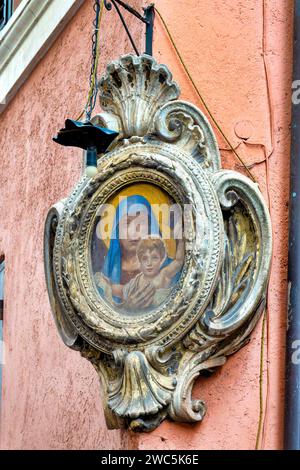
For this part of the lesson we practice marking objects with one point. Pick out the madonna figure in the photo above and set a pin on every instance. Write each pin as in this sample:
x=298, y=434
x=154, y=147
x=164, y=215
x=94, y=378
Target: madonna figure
x=119, y=281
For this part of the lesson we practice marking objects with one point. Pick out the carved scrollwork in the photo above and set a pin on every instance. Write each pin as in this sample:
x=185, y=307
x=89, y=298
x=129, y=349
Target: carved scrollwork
x=184, y=124
x=183, y=408
x=65, y=328
x=148, y=362
x=141, y=390
x=231, y=188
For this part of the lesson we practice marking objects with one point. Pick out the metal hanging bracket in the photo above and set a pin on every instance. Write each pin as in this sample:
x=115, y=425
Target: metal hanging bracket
x=148, y=19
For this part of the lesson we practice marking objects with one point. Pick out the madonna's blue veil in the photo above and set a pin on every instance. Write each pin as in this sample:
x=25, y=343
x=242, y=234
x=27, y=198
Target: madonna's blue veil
x=130, y=205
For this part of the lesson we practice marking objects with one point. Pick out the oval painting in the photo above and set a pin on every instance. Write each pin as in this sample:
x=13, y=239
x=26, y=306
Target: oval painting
x=137, y=252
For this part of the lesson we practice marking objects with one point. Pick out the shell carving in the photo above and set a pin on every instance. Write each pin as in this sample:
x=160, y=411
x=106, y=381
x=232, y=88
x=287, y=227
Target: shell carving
x=133, y=88
x=142, y=390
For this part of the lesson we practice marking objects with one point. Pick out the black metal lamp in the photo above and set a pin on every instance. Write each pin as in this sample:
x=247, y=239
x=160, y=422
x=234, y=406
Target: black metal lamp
x=87, y=136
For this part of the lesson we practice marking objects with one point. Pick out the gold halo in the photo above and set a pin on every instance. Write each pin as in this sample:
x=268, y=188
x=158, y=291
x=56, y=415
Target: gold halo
x=156, y=197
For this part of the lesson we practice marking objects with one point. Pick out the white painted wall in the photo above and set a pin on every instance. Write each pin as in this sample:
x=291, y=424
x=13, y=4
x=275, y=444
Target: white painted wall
x=26, y=38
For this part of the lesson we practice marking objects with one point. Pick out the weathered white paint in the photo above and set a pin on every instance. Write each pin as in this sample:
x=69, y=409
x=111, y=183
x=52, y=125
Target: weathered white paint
x=26, y=38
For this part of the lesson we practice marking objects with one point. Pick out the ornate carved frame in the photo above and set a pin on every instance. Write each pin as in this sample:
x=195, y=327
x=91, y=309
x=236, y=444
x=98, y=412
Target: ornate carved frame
x=148, y=364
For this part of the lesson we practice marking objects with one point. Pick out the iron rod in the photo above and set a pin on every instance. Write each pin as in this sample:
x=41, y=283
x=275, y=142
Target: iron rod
x=149, y=15
x=131, y=10
x=126, y=27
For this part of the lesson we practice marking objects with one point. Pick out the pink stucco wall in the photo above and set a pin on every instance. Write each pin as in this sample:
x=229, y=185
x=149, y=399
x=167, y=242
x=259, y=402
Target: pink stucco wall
x=51, y=396
x=240, y=55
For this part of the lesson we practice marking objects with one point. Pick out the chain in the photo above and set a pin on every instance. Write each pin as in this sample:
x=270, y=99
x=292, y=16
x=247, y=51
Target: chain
x=93, y=75
x=93, y=79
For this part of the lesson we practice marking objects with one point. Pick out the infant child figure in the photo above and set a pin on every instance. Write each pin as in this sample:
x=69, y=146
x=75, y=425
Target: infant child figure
x=151, y=254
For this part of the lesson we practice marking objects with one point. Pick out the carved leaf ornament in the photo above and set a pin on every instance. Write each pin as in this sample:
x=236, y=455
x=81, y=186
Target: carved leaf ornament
x=148, y=358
